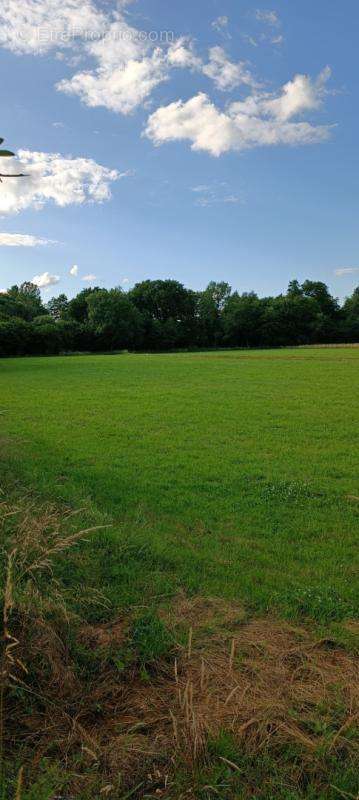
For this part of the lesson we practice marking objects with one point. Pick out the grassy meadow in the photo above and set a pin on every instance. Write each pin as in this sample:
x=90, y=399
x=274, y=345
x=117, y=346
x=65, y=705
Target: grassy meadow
x=223, y=473
x=228, y=487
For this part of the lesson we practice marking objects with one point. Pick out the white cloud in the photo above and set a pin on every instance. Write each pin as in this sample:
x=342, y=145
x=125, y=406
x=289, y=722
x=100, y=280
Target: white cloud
x=299, y=95
x=44, y=280
x=267, y=17
x=127, y=68
x=277, y=39
x=129, y=173
x=201, y=188
x=21, y=240
x=197, y=120
x=74, y=271
x=270, y=20
x=122, y=88
x=220, y=23
x=89, y=278
x=346, y=271
x=224, y=73
x=119, y=44
x=214, y=195
x=182, y=54
x=127, y=65
x=38, y=26
x=53, y=177
x=259, y=120
x=123, y=67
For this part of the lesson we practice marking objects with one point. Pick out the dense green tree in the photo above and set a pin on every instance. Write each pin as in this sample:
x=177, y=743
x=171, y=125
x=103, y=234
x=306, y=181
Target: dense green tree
x=289, y=319
x=294, y=288
x=218, y=293
x=164, y=315
x=163, y=300
x=57, y=307
x=243, y=318
x=117, y=323
x=43, y=319
x=25, y=301
x=319, y=292
x=16, y=337
x=9, y=306
x=211, y=303
x=169, y=312
x=29, y=290
x=78, y=307
x=74, y=336
x=350, y=323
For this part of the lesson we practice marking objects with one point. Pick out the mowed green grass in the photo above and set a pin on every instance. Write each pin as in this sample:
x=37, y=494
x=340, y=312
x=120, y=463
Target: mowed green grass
x=222, y=473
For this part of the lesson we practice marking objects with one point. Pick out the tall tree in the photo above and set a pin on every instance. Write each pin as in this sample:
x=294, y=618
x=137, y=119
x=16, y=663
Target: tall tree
x=78, y=306
x=351, y=317
x=26, y=299
x=169, y=312
x=57, y=307
x=243, y=317
x=211, y=303
x=320, y=293
x=115, y=320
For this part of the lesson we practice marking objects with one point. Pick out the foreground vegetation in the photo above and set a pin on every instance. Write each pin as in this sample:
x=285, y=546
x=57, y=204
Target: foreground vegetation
x=164, y=315
x=191, y=700
x=202, y=642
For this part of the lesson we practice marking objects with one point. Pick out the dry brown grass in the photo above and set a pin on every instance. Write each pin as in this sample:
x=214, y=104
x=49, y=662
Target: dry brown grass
x=34, y=618
x=269, y=684
x=265, y=681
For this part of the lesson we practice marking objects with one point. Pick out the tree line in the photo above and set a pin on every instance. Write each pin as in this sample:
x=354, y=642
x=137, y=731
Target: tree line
x=159, y=315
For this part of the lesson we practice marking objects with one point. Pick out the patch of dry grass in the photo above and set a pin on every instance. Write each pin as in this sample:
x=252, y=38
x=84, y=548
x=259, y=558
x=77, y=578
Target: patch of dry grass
x=270, y=685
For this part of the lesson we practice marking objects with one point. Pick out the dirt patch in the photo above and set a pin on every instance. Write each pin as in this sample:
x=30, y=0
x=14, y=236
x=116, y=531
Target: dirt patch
x=103, y=637
x=202, y=613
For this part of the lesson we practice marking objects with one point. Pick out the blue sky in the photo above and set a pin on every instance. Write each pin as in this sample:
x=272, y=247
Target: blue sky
x=198, y=141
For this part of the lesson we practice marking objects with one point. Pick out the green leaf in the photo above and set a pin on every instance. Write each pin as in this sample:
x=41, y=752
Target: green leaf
x=6, y=153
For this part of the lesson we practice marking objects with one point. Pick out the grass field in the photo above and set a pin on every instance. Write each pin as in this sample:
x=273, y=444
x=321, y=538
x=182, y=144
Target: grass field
x=203, y=643
x=223, y=473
